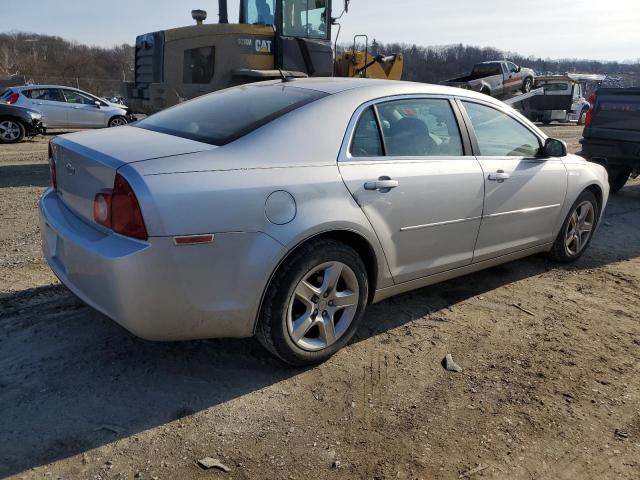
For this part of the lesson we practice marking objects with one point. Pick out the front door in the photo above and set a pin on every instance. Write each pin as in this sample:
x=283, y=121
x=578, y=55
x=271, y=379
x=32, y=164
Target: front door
x=51, y=103
x=421, y=193
x=83, y=111
x=524, y=193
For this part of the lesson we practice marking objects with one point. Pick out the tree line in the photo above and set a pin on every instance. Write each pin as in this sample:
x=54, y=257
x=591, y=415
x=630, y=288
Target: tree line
x=26, y=57
x=437, y=63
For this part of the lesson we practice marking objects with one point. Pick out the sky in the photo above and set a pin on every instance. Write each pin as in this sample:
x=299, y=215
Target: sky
x=593, y=29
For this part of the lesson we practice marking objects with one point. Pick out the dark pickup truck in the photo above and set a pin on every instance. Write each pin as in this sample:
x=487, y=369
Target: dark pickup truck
x=612, y=133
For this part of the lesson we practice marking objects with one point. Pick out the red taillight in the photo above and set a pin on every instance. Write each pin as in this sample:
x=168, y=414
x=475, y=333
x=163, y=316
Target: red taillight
x=13, y=98
x=52, y=169
x=126, y=216
x=119, y=210
x=589, y=117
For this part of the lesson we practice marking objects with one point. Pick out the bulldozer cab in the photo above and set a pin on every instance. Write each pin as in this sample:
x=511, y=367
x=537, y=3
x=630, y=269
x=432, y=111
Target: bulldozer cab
x=273, y=38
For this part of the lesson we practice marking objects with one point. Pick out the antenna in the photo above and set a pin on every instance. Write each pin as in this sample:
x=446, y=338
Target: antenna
x=285, y=79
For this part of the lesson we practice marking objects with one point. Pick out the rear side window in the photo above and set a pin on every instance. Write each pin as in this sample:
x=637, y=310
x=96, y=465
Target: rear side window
x=499, y=135
x=366, y=138
x=222, y=117
x=45, y=94
x=420, y=128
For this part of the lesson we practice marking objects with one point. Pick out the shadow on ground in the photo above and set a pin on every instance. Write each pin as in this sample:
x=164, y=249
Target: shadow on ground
x=27, y=175
x=72, y=380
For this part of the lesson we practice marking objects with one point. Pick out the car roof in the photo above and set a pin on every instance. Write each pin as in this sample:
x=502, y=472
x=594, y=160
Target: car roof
x=379, y=88
x=34, y=86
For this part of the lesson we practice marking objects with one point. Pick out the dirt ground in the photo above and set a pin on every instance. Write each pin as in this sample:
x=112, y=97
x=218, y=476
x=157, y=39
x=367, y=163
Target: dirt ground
x=550, y=390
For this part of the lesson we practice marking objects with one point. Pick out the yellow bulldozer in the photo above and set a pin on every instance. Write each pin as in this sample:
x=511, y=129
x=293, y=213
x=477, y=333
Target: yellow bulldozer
x=273, y=39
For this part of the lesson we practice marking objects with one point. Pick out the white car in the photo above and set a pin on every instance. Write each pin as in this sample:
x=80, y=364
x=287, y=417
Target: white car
x=66, y=107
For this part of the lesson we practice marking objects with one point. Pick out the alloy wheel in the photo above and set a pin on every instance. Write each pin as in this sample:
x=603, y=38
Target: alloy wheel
x=579, y=228
x=118, y=122
x=9, y=130
x=323, y=305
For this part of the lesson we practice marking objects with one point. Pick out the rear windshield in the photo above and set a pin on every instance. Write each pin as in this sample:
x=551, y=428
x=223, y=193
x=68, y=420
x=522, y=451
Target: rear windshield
x=6, y=93
x=486, y=69
x=621, y=113
x=222, y=117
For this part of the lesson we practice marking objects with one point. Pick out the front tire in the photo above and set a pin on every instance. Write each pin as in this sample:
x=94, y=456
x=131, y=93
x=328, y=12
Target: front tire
x=11, y=131
x=577, y=230
x=118, y=122
x=527, y=85
x=618, y=176
x=314, y=303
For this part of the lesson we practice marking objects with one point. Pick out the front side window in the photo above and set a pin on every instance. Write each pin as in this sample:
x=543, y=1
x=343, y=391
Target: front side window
x=198, y=65
x=420, y=128
x=512, y=67
x=499, y=135
x=78, y=98
x=45, y=94
x=260, y=12
x=222, y=117
x=305, y=18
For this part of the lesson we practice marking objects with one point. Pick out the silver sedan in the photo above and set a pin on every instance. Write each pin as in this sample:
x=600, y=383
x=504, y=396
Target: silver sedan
x=282, y=210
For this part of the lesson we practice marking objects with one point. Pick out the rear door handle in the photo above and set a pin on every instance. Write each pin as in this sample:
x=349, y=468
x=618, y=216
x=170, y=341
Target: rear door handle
x=383, y=184
x=500, y=176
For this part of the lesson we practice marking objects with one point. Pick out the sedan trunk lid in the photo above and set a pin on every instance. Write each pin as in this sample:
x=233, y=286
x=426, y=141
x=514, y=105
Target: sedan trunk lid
x=83, y=168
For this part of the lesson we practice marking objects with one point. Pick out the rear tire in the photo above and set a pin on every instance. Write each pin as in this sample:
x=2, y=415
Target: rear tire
x=526, y=85
x=118, y=122
x=577, y=230
x=11, y=130
x=618, y=176
x=301, y=320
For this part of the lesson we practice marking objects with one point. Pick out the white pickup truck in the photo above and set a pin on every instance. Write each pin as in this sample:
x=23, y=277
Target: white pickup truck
x=497, y=78
x=563, y=99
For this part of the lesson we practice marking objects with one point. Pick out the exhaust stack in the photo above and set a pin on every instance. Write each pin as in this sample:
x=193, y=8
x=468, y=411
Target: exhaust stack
x=223, y=12
x=199, y=16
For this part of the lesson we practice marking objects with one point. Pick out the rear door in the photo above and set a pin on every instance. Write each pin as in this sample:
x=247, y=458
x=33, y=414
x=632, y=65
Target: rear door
x=83, y=111
x=51, y=103
x=524, y=194
x=410, y=168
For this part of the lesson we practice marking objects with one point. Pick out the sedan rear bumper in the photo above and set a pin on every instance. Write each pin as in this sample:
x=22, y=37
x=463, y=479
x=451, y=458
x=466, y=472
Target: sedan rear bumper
x=155, y=289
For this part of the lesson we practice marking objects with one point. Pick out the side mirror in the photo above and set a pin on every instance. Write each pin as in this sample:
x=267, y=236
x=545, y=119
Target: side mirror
x=554, y=148
x=97, y=104
x=346, y=6
x=518, y=69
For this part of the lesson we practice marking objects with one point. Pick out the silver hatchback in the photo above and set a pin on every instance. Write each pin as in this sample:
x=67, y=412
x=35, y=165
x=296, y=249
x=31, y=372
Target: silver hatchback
x=284, y=209
x=67, y=107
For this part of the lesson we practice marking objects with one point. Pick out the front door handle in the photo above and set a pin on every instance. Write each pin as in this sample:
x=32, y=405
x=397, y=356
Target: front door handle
x=500, y=176
x=383, y=184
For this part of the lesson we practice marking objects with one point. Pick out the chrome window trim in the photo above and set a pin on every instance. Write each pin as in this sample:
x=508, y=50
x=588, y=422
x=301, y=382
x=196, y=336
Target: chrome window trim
x=345, y=156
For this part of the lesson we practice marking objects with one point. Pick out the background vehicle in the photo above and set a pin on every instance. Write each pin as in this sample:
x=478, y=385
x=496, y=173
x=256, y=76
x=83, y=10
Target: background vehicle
x=237, y=215
x=17, y=123
x=274, y=38
x=67, y=107
x=612, y=133
x=496, y=78
x=563, y=99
